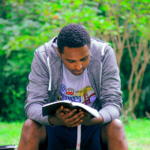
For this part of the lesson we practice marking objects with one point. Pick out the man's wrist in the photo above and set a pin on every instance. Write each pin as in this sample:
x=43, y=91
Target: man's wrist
x=93, y=121
x=98, y=121
x=50, y=119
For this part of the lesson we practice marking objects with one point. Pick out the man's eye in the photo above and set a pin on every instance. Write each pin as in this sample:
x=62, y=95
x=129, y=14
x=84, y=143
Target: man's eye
x=84, y=58
x=70, y=61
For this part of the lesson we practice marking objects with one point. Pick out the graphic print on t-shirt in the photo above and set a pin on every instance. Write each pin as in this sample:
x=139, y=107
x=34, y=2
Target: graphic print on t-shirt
x=86, y=95
x=76, y=88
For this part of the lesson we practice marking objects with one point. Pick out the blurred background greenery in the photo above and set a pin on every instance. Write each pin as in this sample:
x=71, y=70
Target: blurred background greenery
x=27, y=24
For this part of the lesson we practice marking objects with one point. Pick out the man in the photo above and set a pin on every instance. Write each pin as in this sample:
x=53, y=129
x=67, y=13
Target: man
x=79, y=68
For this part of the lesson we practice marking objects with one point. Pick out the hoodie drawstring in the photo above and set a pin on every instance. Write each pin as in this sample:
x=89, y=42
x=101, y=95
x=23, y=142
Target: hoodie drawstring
x=50, y=75
x=78, y=137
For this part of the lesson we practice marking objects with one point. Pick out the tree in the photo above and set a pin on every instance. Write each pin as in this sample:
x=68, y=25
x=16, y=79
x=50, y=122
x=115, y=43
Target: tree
x=129, y=23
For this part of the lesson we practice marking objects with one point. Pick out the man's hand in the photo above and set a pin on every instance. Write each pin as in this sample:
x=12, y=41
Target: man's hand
x=66, y=117
x=89, y=120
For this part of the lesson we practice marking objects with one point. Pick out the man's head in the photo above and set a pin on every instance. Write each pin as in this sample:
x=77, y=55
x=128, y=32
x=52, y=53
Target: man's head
x=74, y=48
x=73, y=36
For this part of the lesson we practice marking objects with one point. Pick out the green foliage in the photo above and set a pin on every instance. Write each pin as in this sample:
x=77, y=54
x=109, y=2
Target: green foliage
x=129, y=20
x=26, y=24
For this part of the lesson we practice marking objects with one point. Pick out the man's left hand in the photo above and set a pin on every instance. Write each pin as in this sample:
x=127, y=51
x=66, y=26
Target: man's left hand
x=89, y=120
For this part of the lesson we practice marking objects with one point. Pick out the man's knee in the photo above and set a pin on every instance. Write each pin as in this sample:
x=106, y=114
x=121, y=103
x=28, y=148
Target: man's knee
x=31, y=126
x=113, y=128
x=116, y=125
x=33, y=134
x=30, y=129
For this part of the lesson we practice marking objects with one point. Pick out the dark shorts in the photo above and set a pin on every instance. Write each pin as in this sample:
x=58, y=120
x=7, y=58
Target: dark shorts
x=63, y=138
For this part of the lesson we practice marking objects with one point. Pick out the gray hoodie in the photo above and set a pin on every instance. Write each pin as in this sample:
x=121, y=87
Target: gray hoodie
x=46, y=76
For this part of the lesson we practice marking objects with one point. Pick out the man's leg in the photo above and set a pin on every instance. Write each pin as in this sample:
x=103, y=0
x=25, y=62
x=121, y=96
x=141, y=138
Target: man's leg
x=33, y=134
x=113, y=136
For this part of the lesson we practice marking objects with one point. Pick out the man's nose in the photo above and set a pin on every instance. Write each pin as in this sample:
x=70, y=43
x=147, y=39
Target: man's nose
x=78, y=65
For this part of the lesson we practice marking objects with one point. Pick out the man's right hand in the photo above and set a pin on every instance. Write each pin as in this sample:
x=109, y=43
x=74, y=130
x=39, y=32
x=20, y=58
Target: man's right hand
x=66, y=117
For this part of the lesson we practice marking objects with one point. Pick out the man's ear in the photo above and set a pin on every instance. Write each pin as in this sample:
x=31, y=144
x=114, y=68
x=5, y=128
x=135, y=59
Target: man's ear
x=58, y=52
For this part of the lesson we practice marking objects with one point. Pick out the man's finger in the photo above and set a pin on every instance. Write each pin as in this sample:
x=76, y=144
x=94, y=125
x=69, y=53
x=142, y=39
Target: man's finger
x=74, y=117
x=60, y=109
x=77, y=120
x=77, y=123
x=85, y=112
x=70, y=114
x=68, y=110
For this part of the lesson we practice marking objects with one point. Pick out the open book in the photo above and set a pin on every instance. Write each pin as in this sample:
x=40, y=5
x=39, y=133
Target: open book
x=50, y=108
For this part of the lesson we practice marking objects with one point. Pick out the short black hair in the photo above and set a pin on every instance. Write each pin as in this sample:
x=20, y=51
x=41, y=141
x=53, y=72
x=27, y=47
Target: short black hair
x=73, y=36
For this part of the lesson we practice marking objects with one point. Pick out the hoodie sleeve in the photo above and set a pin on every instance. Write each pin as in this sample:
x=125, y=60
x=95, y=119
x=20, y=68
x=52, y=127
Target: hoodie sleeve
x=37, y=89
x=110, y=93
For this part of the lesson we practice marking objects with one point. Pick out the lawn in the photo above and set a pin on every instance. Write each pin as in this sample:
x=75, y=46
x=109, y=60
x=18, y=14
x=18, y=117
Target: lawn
x=137, y=132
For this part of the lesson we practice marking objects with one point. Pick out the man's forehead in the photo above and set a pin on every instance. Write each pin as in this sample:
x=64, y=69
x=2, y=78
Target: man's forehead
x=79, y=52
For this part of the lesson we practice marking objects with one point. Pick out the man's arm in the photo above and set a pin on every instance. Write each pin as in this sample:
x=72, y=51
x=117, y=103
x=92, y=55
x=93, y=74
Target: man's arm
x=37, y=90
x=110, y=92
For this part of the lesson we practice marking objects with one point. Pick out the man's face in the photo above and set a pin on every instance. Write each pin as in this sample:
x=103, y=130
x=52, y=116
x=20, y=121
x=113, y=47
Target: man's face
x=75, y=59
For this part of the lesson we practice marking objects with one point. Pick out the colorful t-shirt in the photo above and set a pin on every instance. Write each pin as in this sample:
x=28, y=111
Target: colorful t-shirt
x=76, y=88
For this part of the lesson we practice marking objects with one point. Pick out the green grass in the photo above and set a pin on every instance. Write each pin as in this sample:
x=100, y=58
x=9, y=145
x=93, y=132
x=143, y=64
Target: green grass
x=10, y=133
x=137, y=133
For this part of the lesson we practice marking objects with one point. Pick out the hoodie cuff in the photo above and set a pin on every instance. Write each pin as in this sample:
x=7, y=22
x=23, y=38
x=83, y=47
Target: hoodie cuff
x=109, y=113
